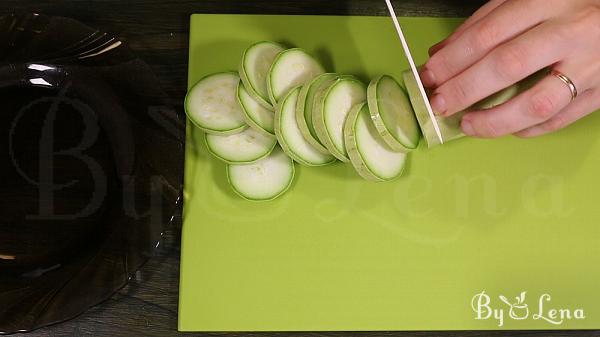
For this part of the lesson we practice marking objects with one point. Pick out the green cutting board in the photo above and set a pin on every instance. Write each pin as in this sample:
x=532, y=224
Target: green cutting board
x=339, y=253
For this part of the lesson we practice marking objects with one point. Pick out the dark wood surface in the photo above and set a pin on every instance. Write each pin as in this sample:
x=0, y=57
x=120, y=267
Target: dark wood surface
x=157, y=30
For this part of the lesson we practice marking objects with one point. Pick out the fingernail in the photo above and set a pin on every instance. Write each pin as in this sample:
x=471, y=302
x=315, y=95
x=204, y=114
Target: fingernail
x=467, y=128
x=436, y=47
x=427, y=77
x=438, y=104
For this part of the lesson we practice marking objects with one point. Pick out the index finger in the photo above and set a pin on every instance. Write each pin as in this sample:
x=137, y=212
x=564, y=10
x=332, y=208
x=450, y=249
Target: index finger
x=509, y=20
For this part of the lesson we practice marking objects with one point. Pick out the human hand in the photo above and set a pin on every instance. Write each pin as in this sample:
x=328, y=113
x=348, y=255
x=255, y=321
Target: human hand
x=504, y=42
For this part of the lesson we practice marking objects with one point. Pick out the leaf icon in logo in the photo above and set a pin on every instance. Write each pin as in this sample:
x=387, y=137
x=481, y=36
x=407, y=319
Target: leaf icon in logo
x=521, y=298
x=518, y=310
x=505, y=300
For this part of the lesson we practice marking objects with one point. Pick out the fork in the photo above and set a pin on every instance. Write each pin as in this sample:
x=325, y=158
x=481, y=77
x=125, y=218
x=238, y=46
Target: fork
x=15, y=28
x=48, y=70
x=91, y=46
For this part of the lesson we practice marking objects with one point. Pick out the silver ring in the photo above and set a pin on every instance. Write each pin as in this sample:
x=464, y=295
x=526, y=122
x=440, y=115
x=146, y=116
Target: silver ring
x=566, y=81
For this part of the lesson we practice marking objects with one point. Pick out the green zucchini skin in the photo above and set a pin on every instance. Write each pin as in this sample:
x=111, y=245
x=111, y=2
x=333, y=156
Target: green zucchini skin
x=352, y=147
x=266, y=151
x=266, y=126
x=262, y=98
x=359, y=128
x=398, y=128
x=305, y=108
x=326, y=132
x=202, y=125
x=309, y=69
x=299, y=149
x=277, y=154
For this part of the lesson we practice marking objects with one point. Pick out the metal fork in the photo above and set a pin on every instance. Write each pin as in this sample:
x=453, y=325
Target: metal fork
x=48, y=70
x=26, y=26
x=94, y=45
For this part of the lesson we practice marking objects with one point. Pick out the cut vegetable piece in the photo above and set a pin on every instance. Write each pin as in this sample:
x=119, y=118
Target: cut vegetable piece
x=392, y=114
x=450, y=126
x=304, y=109
x=212, y=105
x=242, y=148
x=257, y=116
x=291, y=68
x=264, y=180
x=370, y=155
x=291, y=139
x=254, y=69
x=332, y=106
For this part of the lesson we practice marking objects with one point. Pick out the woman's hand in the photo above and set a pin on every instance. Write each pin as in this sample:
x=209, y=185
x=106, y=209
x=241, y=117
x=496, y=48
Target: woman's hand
x=504, y=42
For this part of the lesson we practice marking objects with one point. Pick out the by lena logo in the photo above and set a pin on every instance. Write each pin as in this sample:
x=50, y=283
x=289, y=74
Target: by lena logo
x=518, y=309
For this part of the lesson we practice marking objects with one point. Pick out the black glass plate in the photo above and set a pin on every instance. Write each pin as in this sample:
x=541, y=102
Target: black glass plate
x=91, y=163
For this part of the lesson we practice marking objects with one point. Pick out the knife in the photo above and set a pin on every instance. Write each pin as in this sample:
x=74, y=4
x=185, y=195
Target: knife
x=413, y=67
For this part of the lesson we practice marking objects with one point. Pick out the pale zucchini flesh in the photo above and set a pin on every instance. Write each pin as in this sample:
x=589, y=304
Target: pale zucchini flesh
x=245, y=147
x=211, y=104
x=291, y=68
x=263, y=180
x=291, y=139
x=370, y=155
x=256, y=115
x=392, y=114
x=254, y=69
x=306, y=103
x=331, y=109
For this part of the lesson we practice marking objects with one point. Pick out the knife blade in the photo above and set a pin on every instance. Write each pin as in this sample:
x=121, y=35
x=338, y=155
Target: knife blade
x=415, y=72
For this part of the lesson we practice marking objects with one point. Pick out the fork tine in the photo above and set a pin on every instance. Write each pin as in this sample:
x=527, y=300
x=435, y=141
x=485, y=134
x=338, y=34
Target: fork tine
x=100, y=48
x=98, y=45
x=83, y=42
x=75, y=48
x=18, y=27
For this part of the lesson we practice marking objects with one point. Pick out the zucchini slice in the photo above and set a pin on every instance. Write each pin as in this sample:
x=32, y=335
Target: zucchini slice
x=393, y=114
x=370, y=155
x=257, y=116
x=254, y=69
x=304, y=109
x=332, y=106
x=291, y=68
x=449, y=126
x=291, y=139
x=242, y=148
x=212, y=106
x=263, y=180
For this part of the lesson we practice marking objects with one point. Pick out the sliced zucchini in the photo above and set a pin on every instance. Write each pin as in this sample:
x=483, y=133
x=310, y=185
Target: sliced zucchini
x=291, y=139
x=263, y=180
x=450, y=126
x=393, y=114
x=370, y=155
x=291, y=68
x=304, y=109
x=212, y=106
x=254, y=69
x=257, y=116
x=242, y=148
x=332, y=106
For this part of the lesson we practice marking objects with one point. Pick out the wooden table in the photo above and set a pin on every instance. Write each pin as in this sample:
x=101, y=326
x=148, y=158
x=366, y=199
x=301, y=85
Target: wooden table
x=158, y=31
